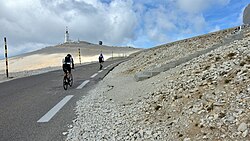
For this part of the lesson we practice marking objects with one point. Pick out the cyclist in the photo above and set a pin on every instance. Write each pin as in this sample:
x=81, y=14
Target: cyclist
x=68, y=63
x=101, y=60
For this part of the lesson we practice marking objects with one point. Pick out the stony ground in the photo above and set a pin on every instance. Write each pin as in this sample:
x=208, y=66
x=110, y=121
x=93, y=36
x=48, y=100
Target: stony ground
x=163, y=54
x=207, y=98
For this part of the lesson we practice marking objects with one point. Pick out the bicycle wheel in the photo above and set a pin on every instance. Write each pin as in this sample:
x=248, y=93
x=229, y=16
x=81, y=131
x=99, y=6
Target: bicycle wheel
x=65, y=83
x=70, y=80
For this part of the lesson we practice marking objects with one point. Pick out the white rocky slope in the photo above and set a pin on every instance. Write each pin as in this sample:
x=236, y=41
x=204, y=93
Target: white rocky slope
x=207, y=98
x=163, y=54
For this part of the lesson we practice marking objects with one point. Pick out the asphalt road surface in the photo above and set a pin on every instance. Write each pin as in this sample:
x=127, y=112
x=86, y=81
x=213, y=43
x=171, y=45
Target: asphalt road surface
x=37, y=108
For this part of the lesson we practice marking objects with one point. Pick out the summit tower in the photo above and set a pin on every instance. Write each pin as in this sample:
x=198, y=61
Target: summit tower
x=66, y=35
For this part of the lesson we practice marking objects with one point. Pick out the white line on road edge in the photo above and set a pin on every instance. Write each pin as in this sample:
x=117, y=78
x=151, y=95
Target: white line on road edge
x=83, y=84
x=55, y=109
x=100, y=71
x=94, y=75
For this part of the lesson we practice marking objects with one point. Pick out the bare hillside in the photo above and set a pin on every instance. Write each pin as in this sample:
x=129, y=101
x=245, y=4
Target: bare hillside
x=50, y=58
x=206, y=98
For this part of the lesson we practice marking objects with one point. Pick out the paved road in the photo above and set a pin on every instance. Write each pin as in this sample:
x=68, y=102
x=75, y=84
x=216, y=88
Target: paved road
x=24, y=101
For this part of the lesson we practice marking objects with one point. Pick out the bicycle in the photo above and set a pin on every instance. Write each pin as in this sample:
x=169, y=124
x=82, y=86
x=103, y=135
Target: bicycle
x=67, y=80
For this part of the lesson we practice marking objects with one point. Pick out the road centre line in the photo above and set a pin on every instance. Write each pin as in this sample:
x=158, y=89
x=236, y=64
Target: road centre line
x=111, y=65
x=107, y=67
x=100, y=71
x=94, y=75
x=83, y=84
x=55, y=109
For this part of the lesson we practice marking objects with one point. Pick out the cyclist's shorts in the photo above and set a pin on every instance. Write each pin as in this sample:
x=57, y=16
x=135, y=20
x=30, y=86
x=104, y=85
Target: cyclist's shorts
x=66, y=67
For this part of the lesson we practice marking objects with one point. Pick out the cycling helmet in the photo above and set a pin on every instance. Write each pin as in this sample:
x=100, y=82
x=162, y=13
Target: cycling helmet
x=68, y=55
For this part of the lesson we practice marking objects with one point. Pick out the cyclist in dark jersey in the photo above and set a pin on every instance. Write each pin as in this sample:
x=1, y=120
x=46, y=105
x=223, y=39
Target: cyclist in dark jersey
x=101, y=60
x=68, y=63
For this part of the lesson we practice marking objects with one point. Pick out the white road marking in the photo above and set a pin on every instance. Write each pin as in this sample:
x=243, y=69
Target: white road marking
x=94, y=75
x=100, y=71
x=108, y=66
x=55, y=109
x=83, y=84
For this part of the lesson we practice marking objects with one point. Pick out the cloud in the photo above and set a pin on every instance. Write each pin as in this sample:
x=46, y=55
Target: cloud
x=216, y=28
x=44, y=21
x=165, y=22
x=198, y=6
x=143, y=23
x=28, y=20
x=112, y=23
x=240, y=16
x=157, y=23
x=192, y=6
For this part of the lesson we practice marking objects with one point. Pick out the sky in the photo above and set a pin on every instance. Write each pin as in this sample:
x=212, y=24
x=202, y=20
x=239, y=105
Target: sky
x=29, y=25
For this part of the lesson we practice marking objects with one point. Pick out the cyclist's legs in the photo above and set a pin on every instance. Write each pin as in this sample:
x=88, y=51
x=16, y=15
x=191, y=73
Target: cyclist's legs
x=65, y=69
x=100, y=65
x=68, y=71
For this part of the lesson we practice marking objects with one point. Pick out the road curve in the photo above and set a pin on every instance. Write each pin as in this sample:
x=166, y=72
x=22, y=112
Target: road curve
x=25, y=101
